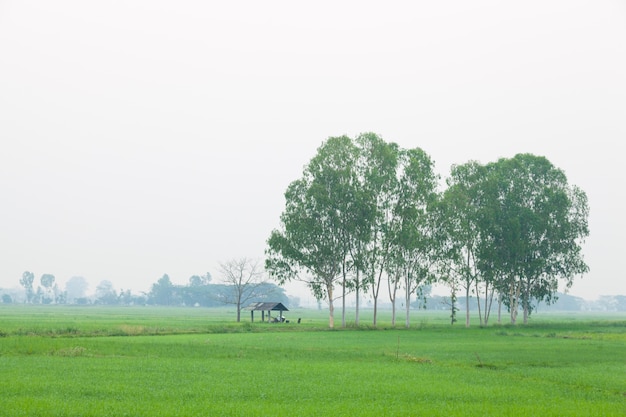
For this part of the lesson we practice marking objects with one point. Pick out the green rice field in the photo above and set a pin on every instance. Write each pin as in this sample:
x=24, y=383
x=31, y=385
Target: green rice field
x=145, y=361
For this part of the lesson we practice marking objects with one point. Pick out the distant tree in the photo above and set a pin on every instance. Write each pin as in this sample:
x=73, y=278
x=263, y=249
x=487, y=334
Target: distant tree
x=60, y=297
x=199, y=280
x=124, y=297
x=534, y=223
x=47, y=281
x=27, y=280
x=195, y=281
x=105, y=293
x=162, y=292
x=75, y=288
x=6, y=299
x=39, y=295
x=244, y=278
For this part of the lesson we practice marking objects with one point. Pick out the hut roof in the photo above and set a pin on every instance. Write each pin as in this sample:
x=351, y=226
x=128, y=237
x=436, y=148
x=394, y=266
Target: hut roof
x=267, y=306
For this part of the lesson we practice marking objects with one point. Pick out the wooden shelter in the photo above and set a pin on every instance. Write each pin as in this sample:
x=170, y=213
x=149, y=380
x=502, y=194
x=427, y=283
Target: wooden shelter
x=269, y=307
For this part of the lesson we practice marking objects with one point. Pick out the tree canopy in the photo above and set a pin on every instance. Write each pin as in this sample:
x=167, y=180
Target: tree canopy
x=365, y=210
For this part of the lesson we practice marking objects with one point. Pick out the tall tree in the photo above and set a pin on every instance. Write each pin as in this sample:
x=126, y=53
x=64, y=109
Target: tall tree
x=27, y=280
x=244, y=278
x=162, y=292
x=413, y=243
x=378, y=172
x=105, y=293
x=76, y=288
x=47, y=281
x=458, y=228
x=536, y=224
x=311, y=244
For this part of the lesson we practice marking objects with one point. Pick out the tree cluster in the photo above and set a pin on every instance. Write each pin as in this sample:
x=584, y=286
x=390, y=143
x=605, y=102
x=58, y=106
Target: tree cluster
x=47, y=291
x=241, y=285
x=367, y=212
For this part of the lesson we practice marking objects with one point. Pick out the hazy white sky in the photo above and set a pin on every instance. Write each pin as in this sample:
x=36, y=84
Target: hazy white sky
x=149, y=137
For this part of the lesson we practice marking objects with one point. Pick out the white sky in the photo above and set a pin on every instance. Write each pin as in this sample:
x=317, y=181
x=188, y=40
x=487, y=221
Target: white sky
x=149, y=137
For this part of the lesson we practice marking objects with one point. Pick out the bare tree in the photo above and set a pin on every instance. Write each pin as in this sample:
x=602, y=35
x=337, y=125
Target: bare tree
x=244, y=277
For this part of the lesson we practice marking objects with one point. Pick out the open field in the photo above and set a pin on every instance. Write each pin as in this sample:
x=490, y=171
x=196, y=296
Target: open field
x=142, y=361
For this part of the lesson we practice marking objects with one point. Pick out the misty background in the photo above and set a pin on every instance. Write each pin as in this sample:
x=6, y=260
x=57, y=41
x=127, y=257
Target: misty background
x=143, y=138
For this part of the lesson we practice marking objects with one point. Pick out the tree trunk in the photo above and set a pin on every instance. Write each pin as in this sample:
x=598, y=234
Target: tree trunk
x=467, y=306
x=488, y=304
x=375, y=310
x=514, y=299
x=331, y=308
x=375, y=292
x=480, y=313
x=392, y=297
x=343, y=304
x=358, y=294
x=526, y=302
x=407, y=299
x=499, y=308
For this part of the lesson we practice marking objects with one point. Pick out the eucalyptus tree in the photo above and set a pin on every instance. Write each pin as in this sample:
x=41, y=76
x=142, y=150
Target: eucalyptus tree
x=312, y=243
x=377, y=169
x=358, y=228
x=106, y=293
x=459, y=213
x=76, y=288
x=413, y=242
x=27, y=280
x=161, y=293
x=47, y=281
x=535, y=224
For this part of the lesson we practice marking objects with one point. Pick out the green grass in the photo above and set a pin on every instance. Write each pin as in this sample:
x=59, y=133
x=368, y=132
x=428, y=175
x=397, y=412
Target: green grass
x=65, y=361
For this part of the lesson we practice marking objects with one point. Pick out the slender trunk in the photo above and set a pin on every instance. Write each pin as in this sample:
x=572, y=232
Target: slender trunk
x=375, y=292
x=526, y=301
x=467, y=306
x=343, y=303
x=331, y=308
x=358, y=295
x=468, y=283
x=514, y=299
x=499, y=308
x=392, y=297
x=480, y=314
x=375, y=311
x=393, y=304
x=344, y=274
x=407, y=300
x=525, y=314
x=238, y=312
x=488, y=303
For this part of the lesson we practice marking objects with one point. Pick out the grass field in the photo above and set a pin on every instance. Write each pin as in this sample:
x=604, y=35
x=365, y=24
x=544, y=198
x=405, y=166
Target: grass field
x=95, y=361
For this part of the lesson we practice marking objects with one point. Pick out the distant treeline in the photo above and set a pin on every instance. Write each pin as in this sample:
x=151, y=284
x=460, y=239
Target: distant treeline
x=198, y=292
x=564, y=302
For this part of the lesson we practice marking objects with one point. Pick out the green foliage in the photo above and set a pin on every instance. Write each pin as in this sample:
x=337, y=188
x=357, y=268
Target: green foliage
x=359, y=211
x=27, y=281
x=515, y=227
